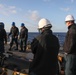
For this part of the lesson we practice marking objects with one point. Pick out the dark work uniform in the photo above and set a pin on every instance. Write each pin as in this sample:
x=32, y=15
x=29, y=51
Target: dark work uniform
x=14, y=36
x=70, y=49
x=23, y=38
x=45, y=48
x=3, y=37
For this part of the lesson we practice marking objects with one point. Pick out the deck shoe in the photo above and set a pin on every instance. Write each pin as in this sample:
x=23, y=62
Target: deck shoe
x=24, y=50
x=16, y=49
x=20, y=50
x=9, y=49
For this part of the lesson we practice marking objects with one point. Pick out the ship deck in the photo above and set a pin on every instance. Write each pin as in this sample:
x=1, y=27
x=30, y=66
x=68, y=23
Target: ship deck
x=19, y=60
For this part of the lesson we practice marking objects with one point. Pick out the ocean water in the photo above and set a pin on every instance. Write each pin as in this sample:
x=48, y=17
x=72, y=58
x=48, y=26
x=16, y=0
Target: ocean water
x=60, y=35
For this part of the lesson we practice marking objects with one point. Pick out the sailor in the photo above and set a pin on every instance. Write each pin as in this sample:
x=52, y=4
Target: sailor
x=3, y=40
x=23, y=37
x=45, y=48
x=70, y=46
x=3, y=37
x=14, y=32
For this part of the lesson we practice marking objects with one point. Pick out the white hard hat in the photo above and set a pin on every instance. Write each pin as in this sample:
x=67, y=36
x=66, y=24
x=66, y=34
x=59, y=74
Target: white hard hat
x=44, y=23
x=69, y=18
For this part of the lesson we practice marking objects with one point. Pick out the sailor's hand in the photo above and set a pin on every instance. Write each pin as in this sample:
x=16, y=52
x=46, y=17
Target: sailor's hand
x=16, y=36
x=8, y=36
x=5, y=43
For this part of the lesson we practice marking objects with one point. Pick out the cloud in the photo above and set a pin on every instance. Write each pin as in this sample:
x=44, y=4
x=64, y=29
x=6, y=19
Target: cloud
x=7, y=10
x=72, y=1
x=33, y=15
x=46, y=0
x=12, y=9
x=66, y=9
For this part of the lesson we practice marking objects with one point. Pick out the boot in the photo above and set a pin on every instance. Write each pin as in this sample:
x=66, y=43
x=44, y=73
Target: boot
x=21, y=49
x=10, y=49
x=24, y=49
x=16, y=47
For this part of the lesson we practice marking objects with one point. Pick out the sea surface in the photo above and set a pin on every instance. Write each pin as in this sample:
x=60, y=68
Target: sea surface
x=60, y=35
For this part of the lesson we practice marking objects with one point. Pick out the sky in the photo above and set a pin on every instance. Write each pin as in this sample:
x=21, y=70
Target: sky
x=30, y=12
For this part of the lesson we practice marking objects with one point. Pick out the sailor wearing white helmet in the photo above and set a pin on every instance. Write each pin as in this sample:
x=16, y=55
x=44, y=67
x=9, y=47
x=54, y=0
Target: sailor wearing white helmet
x=45, y=48
x=70, y=46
